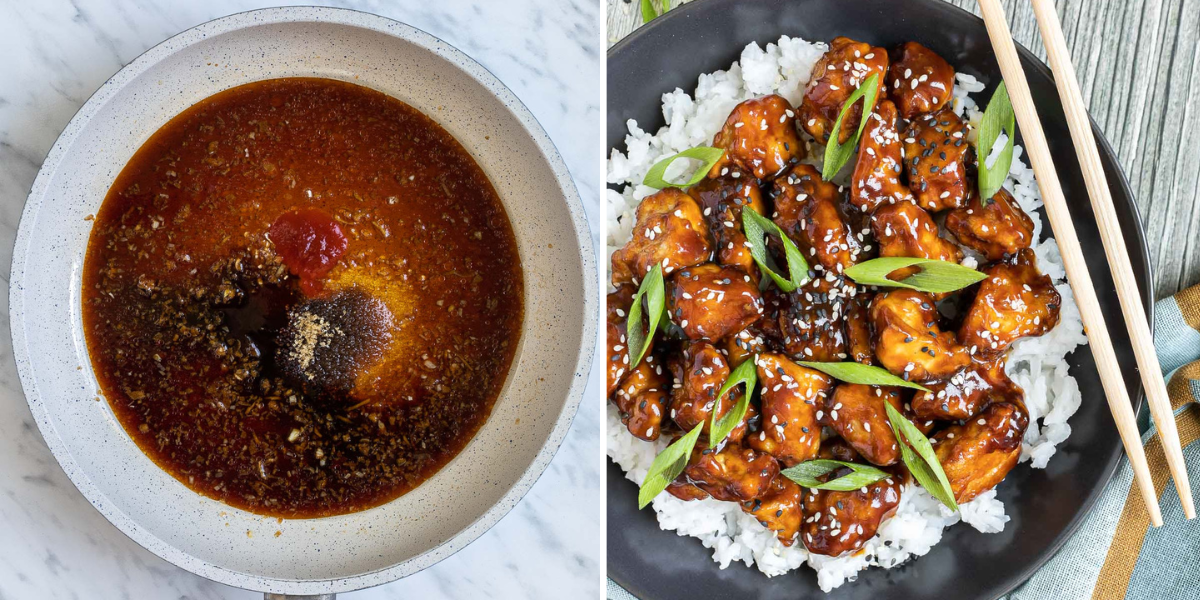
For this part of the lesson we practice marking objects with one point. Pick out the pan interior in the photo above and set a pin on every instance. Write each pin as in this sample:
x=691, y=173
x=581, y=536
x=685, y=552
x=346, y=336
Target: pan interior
x=348, y=551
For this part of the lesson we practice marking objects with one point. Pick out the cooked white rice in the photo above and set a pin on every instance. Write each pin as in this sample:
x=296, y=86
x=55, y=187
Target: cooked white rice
x=1038, y=365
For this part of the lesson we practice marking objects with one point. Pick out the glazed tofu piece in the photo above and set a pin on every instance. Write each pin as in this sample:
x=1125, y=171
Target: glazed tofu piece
x=994, y=228
x=642, y=399
x=617, y=305
x=685, y=490
x=937, y=158
x=713, y=302
x=814, y=322
x=779, y=509
x=670, y=231
x=1014, y=301
x=921, y=81
x=839, y=522
x=699, y=372
x=908, y=341
x=966, y=393
x=858, y=328
x=734, y=474
x=776, y=302
x=856, y=413
x=905, y=229
x=740, y=346
x=835, y=448
x=879, y=171
x=759, y=139
x=790, y=395
x=721, y=202
x=836, y=75
x=761, y=336
x=806, y=209
x=979, y=453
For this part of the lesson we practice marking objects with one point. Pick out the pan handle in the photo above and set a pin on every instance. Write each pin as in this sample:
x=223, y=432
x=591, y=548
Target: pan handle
x=291, y=597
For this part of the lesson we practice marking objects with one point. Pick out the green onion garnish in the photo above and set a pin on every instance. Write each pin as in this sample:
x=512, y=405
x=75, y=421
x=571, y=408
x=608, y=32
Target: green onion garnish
x=998, y=115
x=667, y=466
x=757, y=227
x=806, y=474
x=650, y=11
x=707, y=156
x=935, y=276
x=918, y=455
x=852, y=372
x=652, y=290
x=721, y=427
x=837, y=153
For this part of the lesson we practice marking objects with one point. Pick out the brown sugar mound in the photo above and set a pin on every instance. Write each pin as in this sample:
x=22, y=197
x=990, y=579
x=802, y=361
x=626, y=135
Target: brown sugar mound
x=327, y=342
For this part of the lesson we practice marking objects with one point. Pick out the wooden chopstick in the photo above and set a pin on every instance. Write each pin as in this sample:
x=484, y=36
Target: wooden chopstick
x=1114, y=247
x=1068, y=244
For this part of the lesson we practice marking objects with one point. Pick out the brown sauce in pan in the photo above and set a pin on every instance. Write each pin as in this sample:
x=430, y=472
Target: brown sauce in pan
x=301, y=297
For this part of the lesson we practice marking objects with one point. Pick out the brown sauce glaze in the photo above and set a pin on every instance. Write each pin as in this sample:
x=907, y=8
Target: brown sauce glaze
x=337, y=370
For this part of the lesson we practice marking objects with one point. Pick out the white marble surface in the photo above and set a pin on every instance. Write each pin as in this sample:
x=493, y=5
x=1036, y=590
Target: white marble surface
x=55, y=54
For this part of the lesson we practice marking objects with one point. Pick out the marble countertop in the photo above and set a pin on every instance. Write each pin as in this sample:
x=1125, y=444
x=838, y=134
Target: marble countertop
x=53, y=544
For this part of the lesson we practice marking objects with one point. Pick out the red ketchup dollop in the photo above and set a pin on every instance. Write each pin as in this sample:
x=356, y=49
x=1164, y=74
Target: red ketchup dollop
x=310, y=243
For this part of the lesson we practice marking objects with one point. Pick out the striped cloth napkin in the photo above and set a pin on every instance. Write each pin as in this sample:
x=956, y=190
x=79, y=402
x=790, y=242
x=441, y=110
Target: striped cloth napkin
x=1115, y=553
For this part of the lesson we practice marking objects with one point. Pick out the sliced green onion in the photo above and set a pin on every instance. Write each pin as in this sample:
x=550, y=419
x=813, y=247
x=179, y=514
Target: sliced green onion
x=707, y=156
x=721, y=427
x=935, y=276
x=807, y=474
x=667, y=466
x=918, y=455
x=852, y=372
x=652, y=290
x=757, y=227
x=838, y=154
x=998, y=115
x=650, y=11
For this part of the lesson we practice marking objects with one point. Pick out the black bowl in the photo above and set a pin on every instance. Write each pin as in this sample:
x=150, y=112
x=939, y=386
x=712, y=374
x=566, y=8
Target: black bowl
x=1046, y=505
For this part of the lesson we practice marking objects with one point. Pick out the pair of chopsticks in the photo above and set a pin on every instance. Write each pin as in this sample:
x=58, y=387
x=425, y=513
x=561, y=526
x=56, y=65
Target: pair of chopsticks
x=1114, y=248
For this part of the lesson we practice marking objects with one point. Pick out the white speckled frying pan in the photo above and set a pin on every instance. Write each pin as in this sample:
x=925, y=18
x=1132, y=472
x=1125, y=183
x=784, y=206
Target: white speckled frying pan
x=543, y=389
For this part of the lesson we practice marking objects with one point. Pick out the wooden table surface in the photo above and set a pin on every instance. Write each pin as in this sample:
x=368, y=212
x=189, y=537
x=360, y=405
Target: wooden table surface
x=1138, y=61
